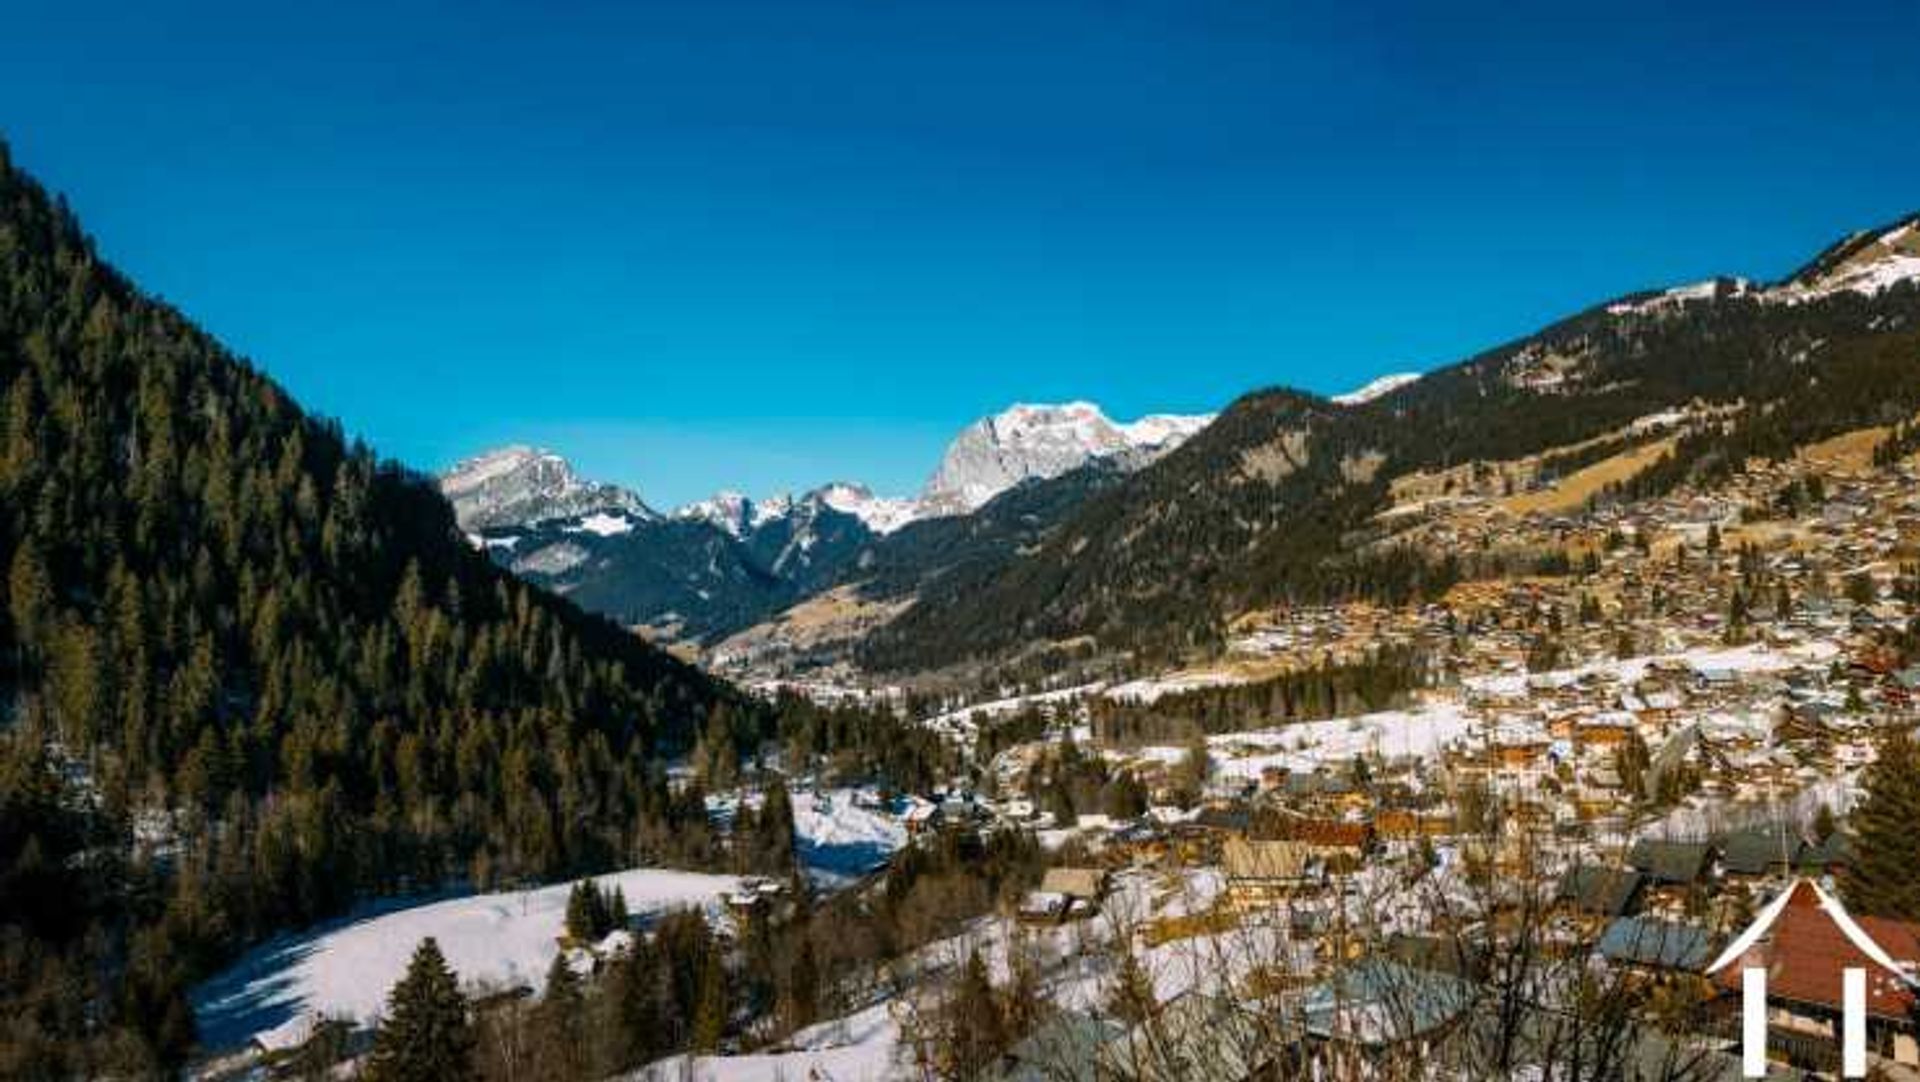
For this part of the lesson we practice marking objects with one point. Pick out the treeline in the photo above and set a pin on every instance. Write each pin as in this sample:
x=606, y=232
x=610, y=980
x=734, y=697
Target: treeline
x=1862, y=382
x=1382, y=680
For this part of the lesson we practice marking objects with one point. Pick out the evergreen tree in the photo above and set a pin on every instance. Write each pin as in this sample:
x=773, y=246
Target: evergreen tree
x=710, y=1007
x=425, y=1035
x=1884, y=876
x=560, y=1022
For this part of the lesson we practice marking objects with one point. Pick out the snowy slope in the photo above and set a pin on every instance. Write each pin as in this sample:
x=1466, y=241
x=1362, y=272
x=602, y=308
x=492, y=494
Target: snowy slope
x=346, y=967
x=840, y=840
x=1884, y=261
x=1376, y=388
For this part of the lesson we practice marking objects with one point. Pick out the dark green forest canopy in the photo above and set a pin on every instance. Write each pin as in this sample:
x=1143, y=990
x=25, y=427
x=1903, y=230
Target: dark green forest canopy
x=275, y=654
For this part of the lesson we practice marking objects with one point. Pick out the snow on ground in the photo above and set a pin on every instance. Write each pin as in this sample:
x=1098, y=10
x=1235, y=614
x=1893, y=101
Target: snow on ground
x=964, y=723
x=1376, y=388
x=346, y=967
x=864, y=1046
x=839, y=839
x=1300, y=746
x=1391, y=734
x=857, y=1048
x=602, y=524
x=1757, y=658
x=1147, y=690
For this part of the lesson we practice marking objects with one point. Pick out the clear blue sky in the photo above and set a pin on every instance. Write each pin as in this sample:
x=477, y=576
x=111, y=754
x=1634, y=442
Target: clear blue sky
x=767, y=245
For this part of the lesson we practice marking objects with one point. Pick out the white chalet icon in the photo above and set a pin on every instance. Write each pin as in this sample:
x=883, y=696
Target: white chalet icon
x=1810, y=975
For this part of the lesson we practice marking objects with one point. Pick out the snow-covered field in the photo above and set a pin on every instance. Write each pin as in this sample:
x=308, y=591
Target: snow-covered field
x=963, y=724
x=840, y=840
x=346, y=967
x=1076, y=974
x=858, y=1048
x=1420, y=732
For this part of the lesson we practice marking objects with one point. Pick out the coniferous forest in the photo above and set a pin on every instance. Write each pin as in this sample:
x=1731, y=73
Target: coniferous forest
x=250, y=672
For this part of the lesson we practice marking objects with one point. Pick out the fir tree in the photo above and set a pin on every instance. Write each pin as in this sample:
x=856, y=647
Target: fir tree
x=710, y=1008
x=561, y=1022
x=1884, y=876
x=426, y=1035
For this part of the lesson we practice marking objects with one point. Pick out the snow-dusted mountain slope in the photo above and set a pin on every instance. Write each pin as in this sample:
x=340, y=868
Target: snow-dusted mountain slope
x=1030, y=442
x=517, y=486
x=1867, y=263
x=1376, y=388
x=719, y=564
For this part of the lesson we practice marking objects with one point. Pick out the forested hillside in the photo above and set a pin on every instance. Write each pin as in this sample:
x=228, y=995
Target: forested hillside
x=1270, y=502
x=250, y=672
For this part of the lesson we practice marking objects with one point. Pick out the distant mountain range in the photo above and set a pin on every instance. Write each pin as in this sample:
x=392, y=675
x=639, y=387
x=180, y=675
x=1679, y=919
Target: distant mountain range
x=718, y=564
x=1045, y=525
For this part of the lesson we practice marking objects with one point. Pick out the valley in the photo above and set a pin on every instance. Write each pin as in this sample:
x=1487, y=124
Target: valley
x=1484, y=722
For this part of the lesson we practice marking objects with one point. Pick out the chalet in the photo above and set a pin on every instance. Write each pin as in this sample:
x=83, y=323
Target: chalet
x=1080, y=884
x=1758, y=853
x=1194, y=1036
x=1655, y=947
x=1452, y=955
x=1805, y=940
x=1064, y=894
x=1379, y=1004
x=1674, y=864
x=1593, y=891
x=923, y=818
x=1262, y=874
x=1062, y=1049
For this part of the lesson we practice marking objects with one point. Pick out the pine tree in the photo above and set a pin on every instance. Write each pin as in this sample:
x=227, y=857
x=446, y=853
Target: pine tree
x=560, y=1022
x=426, y=1035
x=1884, y=876
x=618, y=918
x=579, y=913
x=710, y=1009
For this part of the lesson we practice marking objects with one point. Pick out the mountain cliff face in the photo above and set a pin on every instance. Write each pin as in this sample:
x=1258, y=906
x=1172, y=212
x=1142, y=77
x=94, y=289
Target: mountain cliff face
x=1027, y=443
x=516, y=486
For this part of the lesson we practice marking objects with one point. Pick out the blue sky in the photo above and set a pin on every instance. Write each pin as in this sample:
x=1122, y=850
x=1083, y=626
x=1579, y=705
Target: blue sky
x=762, y=246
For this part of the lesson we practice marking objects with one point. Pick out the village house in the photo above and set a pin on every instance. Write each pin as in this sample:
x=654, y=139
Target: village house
x=1676, y=873
x=1590, y=895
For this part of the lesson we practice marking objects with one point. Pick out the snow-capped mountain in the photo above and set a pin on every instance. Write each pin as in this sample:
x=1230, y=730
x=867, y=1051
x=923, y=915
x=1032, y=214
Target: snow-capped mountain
x=1039, y=441
x=881, y=514
x=1865, y=263
x=728, y=511
x=1376, y=388
x=518, y=486
x=721, y=563
x=739, y=515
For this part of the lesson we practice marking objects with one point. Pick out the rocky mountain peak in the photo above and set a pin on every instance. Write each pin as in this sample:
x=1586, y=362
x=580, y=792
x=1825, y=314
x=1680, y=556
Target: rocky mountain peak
x=1028, y=442
x=519, y=485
